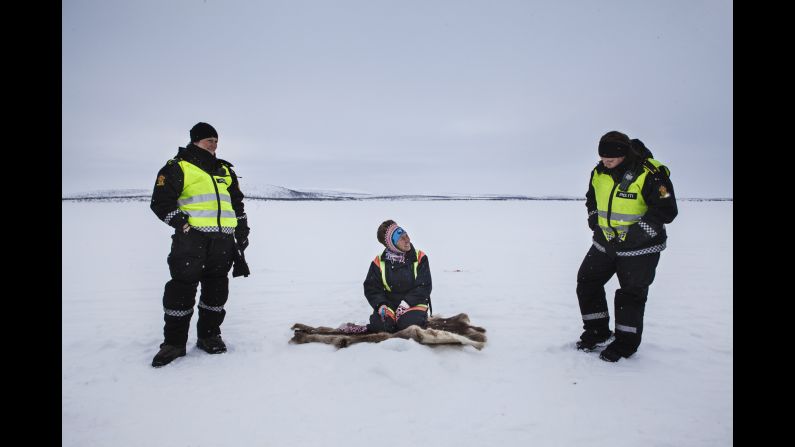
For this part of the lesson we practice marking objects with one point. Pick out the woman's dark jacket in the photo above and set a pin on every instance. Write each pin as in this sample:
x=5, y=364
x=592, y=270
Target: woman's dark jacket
x=400, y=277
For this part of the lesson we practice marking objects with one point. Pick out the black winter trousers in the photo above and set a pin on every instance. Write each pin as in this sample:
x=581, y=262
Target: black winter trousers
x=635, y=275
x=197, y=257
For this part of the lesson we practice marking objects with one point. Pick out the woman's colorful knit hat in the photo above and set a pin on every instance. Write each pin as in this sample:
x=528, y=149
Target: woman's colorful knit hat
x=388, y=234
x=389, y=237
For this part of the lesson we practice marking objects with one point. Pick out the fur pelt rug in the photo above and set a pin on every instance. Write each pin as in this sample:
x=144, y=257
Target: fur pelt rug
x=455, y=330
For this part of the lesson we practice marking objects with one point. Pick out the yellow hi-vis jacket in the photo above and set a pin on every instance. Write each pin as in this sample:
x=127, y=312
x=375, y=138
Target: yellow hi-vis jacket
x=205, y=198
x=618, y=209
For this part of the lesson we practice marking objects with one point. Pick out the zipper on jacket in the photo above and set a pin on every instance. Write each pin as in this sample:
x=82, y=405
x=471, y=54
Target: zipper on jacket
x=217, y=200
x=610, y=209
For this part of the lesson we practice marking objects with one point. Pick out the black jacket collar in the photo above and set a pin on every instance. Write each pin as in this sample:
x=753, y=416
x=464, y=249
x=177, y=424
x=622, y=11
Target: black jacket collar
x=203, y=159
x=618, y=172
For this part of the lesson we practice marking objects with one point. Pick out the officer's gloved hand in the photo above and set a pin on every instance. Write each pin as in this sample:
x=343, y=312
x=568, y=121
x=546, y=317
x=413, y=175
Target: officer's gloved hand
x=639, y=234
x=241, y=233
x=611, y=246
x=179, y=222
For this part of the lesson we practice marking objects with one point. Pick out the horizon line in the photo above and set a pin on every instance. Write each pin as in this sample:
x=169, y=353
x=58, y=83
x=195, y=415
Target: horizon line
x=408, y=197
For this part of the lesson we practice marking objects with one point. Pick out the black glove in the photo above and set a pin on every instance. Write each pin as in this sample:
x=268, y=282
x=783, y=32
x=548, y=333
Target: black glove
x=638, y=234
x=241, y=233
x=179, y=221
x=611, y=246
x=240, y=266
x=593, y=221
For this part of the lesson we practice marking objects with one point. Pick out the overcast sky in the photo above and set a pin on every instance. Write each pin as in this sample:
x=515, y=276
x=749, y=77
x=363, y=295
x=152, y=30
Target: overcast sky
x=388, y=96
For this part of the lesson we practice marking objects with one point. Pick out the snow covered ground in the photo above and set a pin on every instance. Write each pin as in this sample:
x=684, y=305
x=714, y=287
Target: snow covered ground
x=511, y=265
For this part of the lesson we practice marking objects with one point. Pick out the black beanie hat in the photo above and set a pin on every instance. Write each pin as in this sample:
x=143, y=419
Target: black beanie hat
x=614, y=144
x=201, y=131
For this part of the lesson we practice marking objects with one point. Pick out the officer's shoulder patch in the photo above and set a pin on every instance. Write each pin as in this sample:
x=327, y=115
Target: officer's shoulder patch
x=161, y=180
x=664, y=194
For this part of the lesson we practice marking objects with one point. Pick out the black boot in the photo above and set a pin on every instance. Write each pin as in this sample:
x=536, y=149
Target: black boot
x=212, y=344
x=167, y=354
x=610, y=355
x=615, y=351
x=590, y=340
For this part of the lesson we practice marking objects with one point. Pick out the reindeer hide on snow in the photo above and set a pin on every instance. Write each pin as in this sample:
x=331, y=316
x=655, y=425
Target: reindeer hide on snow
x=455, y=330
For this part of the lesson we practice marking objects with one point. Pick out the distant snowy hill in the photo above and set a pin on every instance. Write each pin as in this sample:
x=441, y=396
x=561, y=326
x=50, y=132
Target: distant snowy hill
x=266, y=192
x=272, y=192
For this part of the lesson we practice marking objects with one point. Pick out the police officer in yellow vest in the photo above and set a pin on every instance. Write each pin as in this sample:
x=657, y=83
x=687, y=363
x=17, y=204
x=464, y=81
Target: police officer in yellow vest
x=630, y=199
x=401, y=273
x=199, y=195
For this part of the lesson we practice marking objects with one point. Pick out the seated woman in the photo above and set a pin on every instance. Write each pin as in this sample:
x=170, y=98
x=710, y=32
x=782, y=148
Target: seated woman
x=400, y=273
